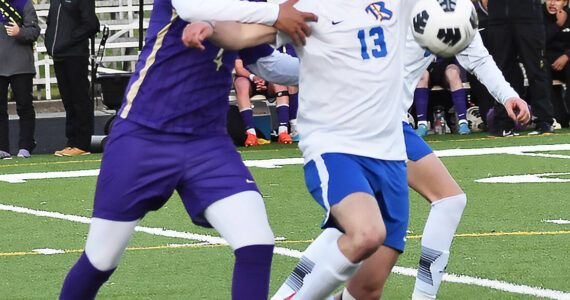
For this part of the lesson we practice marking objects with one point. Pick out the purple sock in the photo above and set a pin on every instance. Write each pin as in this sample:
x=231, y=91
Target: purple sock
x=283, y=115
x=83, y=280
x=460, y=103
x=251, y=272
x=421, y=98
x=247, y=116
x=293, y=105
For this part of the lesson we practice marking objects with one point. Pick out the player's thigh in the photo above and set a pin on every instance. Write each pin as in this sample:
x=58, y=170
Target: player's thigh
x=213, y=170
x=429, y=177
x=369, y=280
x=359, y=212
x=426, y=173
x=139, y=171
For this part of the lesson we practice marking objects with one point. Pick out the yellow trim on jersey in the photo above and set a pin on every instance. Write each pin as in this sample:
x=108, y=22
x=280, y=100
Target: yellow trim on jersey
x=133, y=91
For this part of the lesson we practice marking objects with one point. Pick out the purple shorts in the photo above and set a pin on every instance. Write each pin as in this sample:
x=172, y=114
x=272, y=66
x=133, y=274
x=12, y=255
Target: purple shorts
x=142, y=167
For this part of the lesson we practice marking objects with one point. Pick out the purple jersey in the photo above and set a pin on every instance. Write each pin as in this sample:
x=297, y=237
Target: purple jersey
x=177, y=89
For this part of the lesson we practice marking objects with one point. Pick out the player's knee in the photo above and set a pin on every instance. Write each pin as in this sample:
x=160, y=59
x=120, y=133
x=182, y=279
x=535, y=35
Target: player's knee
x=102, y=262
x=368, y=239
x=453, y=73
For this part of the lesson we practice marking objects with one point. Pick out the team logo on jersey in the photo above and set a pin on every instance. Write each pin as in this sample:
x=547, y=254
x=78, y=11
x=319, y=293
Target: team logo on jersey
x=379, y=11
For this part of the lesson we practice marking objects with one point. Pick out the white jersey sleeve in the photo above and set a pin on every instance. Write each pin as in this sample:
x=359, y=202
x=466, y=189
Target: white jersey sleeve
x=277, y=68
x=227, y=10
x=477, y=60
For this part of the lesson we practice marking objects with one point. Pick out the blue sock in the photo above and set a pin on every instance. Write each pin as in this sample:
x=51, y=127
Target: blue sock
x=283, y=114
x=251, y=272
x=83, y=280
x=293, y=106
x=460, y=103
x=247, y=117
x=421, y=98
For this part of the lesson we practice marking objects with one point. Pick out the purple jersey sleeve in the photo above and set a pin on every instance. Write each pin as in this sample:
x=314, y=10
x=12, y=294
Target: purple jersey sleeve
x=174, y=88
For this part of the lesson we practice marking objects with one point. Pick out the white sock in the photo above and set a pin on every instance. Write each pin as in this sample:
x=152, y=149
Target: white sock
x=423, y=122
x=282, y=129
x=332, y=270
x=438, y=234
x=252, y=131
x=310, y=257
x=346, y=295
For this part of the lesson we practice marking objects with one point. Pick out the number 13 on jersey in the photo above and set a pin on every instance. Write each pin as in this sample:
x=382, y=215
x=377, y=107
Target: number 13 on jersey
x=377, y=35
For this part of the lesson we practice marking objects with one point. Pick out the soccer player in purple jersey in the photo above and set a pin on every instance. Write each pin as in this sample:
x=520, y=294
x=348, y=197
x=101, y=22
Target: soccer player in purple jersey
x=171, y=135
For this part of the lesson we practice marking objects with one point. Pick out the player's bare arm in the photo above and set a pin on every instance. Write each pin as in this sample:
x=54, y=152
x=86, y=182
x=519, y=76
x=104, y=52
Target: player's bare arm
x=228, y=35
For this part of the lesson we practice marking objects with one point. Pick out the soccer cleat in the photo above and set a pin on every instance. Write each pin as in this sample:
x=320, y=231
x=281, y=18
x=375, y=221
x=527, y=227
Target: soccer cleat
x=23, y=153
x=251, y=140
x=422, y=130
x=71, y=151
x=542, y=128
x=290, y=296
x=5, y=155
x=464, y=128
x=284, y=138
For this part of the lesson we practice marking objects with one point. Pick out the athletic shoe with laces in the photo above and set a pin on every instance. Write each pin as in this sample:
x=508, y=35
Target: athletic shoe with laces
x=251, y=140
x=422, y=130
x=284, y=138
x=5, y=155
x=464, y=128
x=542, y=128
x=71, y=151
x=23, y=153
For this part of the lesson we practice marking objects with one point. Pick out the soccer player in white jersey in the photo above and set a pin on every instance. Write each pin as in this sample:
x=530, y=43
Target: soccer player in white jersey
x=351, y=131
x=429, y=177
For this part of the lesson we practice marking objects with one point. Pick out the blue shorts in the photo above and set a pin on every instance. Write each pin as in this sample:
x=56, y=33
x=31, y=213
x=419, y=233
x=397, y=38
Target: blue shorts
x=416, y=147
x=334, y=176
x=142, y=167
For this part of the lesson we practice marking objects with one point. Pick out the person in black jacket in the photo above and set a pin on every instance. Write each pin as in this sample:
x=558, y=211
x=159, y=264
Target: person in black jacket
x=70, y=24
x=17, y=36
x=515, y=27
x=557, y=26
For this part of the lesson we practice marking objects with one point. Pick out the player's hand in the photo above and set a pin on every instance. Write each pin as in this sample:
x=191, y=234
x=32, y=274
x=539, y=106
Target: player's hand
x=561, y=16
x=560, y=62
x=12, y=29
x=517, y=109
x=292, y=22
x=259, y=83
x=195, y=33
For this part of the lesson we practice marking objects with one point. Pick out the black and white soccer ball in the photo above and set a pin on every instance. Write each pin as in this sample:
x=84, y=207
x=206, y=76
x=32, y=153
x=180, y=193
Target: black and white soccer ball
x=444, y=27
x=474, y=120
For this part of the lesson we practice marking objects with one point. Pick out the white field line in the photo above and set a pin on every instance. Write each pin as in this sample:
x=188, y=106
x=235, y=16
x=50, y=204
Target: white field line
x=559, y=221
x=494, y=284
x=277, y=163
x=526, y=178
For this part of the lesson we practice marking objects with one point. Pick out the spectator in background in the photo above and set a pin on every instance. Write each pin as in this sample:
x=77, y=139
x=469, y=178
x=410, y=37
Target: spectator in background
x=293, y=98
x=70, y=24
x=557, y=26
x=248, y=84
x=517, y=28
x=479, y=93
x=446, y=73
x=17, y=36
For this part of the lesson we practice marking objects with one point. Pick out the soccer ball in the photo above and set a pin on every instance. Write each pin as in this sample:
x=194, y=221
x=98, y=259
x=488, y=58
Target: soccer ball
x=444, y=27
x=474, y=119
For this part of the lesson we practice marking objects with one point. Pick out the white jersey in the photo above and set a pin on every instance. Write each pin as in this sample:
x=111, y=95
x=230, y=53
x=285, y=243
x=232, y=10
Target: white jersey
x=227, y=10
x=475, y=59
x=350, y=78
